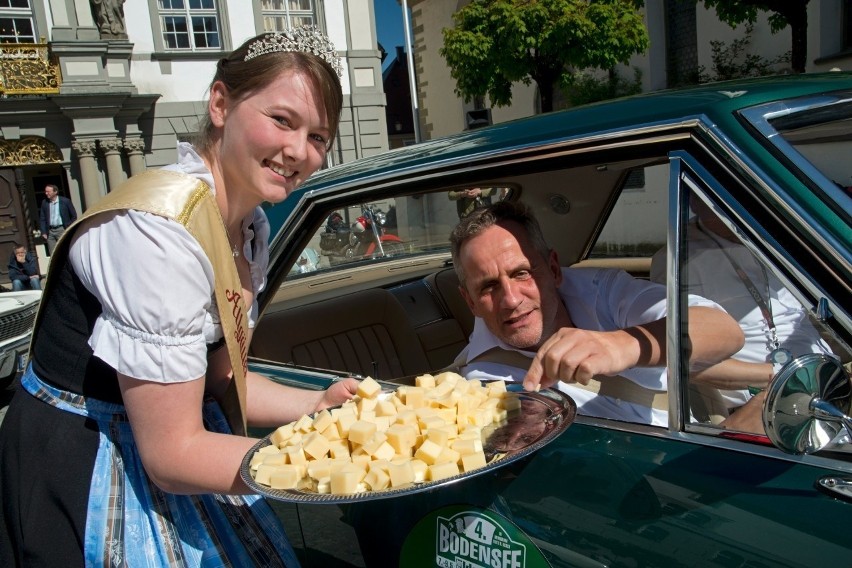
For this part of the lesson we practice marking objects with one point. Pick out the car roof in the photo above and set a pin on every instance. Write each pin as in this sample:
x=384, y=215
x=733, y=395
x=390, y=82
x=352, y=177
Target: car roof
x=716, y=101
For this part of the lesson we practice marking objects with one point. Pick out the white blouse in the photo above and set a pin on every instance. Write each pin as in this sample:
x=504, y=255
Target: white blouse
x=155, y=285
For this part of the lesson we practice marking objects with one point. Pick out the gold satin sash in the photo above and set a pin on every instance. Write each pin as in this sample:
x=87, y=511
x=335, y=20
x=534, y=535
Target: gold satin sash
x=188, y=201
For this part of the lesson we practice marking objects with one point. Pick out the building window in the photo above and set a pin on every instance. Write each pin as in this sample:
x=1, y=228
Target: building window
x=190, y=24
x=280, y=15
x=16, y=22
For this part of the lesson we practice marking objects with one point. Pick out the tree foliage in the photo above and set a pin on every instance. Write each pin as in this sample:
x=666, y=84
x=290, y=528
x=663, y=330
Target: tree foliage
x=496, y=43
x=782, y=13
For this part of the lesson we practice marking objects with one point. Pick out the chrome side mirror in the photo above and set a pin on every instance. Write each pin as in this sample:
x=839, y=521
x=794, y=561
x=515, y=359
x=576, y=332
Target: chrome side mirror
x=808, y=404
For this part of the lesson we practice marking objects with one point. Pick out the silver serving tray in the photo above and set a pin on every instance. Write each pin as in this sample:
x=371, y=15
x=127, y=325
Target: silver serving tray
x=542, y=417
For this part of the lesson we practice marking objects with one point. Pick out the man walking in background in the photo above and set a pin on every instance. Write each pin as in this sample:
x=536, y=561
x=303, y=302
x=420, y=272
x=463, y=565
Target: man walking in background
x=55, y=214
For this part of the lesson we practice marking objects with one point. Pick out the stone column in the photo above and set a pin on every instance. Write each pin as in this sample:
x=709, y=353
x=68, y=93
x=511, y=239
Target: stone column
x=88, y=170
x=136, y=155
x=111, y=147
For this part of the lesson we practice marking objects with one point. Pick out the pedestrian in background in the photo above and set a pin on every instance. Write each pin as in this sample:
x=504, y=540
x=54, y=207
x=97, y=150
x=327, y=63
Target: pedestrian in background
x=23, y=270
x=55, y=214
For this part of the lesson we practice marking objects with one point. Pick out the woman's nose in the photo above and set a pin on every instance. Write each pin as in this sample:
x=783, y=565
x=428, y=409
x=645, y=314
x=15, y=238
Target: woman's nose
x=295, y=148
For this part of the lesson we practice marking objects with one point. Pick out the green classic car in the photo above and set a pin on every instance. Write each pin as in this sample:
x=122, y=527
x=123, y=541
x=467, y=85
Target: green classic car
x=627, y=184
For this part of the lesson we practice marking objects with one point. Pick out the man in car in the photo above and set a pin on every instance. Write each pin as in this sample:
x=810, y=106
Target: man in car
x=543, y=324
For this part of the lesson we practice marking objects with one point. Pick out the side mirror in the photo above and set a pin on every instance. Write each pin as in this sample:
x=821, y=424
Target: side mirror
x=808, y=404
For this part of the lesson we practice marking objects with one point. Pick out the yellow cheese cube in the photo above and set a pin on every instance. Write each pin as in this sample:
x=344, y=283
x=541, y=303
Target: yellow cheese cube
x=400, y=474
x=303, y=424
x=419, y=467
x=318, y=469
x=402, y=437
x=285, y=477
x=296, y=455
x=368, y=388
x=361, y=431
x=427, y=381
x=496, y=388
x=441, y=471
x=467, y=446
x=338, y=448
x=315, y=445
x=428, y=452
x=447, y=377
x=510, y=402
x=322, y=420
x=263, y=473
x=413, y=397
x=281, y=434
x=344, y=422
x=385, y=408
x=470, y=462
x=377, y=479
x=275, y=459
x=448, y=455
x=345, y=480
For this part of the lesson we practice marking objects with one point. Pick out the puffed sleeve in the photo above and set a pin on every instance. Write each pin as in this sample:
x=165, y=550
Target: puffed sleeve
x=155, y=286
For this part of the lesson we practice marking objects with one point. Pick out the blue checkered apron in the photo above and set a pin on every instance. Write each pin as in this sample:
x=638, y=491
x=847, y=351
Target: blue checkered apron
x=131, y=522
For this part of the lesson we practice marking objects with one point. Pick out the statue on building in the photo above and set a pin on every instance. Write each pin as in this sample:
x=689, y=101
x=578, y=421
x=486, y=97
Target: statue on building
x=109, y=16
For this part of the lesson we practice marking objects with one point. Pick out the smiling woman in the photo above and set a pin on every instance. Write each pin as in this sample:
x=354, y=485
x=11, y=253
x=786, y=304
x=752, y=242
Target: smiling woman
x=139, y=350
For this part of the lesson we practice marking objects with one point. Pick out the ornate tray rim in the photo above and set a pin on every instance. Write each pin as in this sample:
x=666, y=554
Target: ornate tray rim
x=563, y=411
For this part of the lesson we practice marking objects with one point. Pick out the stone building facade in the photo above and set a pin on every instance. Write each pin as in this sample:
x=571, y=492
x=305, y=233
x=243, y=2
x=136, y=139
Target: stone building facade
x=94, y=91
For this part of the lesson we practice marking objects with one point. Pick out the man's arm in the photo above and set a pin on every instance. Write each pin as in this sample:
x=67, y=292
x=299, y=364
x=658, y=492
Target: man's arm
x=15, y=272
x=577, y=355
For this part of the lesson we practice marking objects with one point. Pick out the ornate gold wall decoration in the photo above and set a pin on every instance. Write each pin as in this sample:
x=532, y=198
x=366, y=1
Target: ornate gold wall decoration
x=28, y=69
x=28, y=151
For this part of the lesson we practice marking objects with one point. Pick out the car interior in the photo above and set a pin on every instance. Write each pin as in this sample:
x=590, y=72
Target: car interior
x=396, y=313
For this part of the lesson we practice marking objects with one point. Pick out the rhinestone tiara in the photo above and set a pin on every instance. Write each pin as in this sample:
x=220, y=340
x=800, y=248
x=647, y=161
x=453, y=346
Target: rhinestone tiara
x=307, y=39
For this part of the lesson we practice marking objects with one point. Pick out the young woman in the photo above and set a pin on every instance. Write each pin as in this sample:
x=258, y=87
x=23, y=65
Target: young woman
x=120, y=447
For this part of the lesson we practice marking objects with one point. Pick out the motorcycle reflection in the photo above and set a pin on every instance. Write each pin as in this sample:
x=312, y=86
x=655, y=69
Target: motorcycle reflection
x=367, y=237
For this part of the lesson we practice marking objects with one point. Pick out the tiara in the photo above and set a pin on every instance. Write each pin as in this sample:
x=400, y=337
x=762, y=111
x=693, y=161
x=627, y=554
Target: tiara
x=307, y=39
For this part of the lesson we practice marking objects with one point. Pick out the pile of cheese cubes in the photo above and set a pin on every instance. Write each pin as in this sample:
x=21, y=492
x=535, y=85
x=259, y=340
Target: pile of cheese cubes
x=380, y=440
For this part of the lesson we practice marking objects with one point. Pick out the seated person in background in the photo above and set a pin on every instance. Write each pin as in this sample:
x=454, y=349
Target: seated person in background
x=23, y=270
x=570, y=325
x=773, y=321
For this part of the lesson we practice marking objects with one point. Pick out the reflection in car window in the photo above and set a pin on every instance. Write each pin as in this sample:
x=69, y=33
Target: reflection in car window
x=717, y=264
x=391, y=228
x=816, y=134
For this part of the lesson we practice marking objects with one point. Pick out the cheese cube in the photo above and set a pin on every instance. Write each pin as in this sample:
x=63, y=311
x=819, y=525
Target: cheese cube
x=361, y=431
x=447, y=377
x=275, y=459
x=400, y=474
x=419, y=467
x=377, y=479
x=427, y=381
x=385, y=408
x=368, y=388
x=285, y=477
x=442, y=471
x=303, y=424
x=322, y=420
x=402, y=437
x=470, y=462
x=316, y=445
x=467, y=446
x=345, y=480
x=281, y=434
x=428, y=452
x=510, y=402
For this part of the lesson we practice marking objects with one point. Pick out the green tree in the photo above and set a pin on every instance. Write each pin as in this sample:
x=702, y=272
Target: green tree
x=782, y=13
x=496, y=43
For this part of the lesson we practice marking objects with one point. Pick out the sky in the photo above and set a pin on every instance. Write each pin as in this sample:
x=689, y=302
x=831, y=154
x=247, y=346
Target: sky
x=389, y=26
